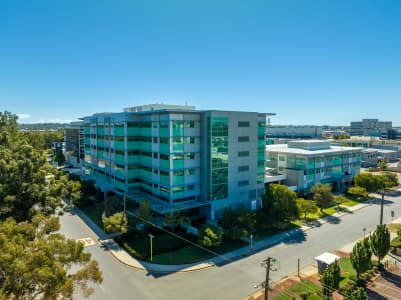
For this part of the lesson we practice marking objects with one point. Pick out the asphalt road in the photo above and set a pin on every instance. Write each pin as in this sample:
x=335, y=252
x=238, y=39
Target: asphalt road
x=231, y=281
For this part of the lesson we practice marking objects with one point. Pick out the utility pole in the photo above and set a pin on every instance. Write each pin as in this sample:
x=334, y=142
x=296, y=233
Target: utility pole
x=267, y=264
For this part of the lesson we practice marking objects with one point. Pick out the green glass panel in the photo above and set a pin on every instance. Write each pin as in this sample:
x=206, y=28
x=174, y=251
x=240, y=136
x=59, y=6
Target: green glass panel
x=100, y=142
x=178, y=180
x=133, y=159
x=164, y=148
x=119, y=131
x=146, y=146
x=119, y=185
x=119, y=145
x=164, y=132
x=164, y=180
x=133, y=131
x=120, y=172
x=119, y=158
x=146, y=132
x=178, y=163
x=165, y=164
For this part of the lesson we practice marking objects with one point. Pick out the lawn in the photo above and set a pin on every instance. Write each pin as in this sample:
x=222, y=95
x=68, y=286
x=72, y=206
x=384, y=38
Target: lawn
x=348, y=202
x=295, y=291
x=347, y=271
x=168, y=249
x=191, y=253
x=263, y=234
x=94, y=212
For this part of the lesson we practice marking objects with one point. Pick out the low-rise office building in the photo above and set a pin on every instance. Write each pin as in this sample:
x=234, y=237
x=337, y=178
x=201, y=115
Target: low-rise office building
x=308, y=162
x=294, y=132
x=369, y=158
x=178, y=157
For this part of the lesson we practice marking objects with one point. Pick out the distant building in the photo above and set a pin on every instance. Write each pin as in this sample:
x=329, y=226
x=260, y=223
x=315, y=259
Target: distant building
x=393, y=134
x=308, y=162
x=178, y=157
x=294, y=132
x=74, y=144
x=369, y=158
x=370, y=127
x=328, y=134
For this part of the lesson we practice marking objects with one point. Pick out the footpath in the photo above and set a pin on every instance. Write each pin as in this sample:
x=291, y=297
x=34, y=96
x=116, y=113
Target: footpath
x=121, y=255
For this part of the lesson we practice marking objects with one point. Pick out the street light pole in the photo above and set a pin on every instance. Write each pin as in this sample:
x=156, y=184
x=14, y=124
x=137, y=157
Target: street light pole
x=251, y=245
x=151, y=246
x=364, y=231
x=381, y=208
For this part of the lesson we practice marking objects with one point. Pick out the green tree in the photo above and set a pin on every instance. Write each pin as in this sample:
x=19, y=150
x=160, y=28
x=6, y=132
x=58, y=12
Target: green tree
x=174, y=220
x=330, y=279
x=356, y=293
x=59, y=158
x=145, y=213
x=114, y=204
x=382, y=164
x=372, y=183
x=390, y=179
x=36, y=262
x=27, y=181
x=279, y=203
x=116, y=223
x=322, y=195
x=357, y=191
x=306, y=207
x=361, y=256
x=380, y=241
x=210, y=236
x=238, y=223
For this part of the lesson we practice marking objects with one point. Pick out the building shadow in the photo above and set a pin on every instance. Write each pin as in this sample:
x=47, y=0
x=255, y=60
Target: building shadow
x=373, y=295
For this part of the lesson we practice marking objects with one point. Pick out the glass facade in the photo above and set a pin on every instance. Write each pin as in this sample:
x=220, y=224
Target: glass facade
x=218, y=157
x=261, y=152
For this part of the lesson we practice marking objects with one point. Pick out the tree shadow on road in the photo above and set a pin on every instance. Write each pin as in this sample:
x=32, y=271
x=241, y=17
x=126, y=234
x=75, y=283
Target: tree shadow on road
x=296, y=236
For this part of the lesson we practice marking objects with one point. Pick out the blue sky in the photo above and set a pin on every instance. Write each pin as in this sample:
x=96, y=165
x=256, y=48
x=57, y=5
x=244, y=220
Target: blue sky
x=311, y=62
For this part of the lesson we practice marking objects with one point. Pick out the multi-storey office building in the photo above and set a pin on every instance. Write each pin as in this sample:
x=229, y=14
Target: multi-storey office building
x=370, y=127
x=178, y=157
x=309, y=162
x=74, y=143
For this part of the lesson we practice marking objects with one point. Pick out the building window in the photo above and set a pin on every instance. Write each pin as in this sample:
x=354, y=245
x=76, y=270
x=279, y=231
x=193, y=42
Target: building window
x=178, y=189
x=281, y=158
x=243, y=168
x=189, y=124
x=155, y=155
x=243, y=183
x=243, y=139
x=243, y=153
x=243, y=124
x=190, y=140
x=190, y=172
x=191, y=155
x=191, y=187
x=155, y=140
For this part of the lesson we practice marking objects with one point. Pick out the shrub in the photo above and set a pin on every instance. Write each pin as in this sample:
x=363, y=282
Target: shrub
x=304, y=295
x=210, y=236
x=314, y=297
